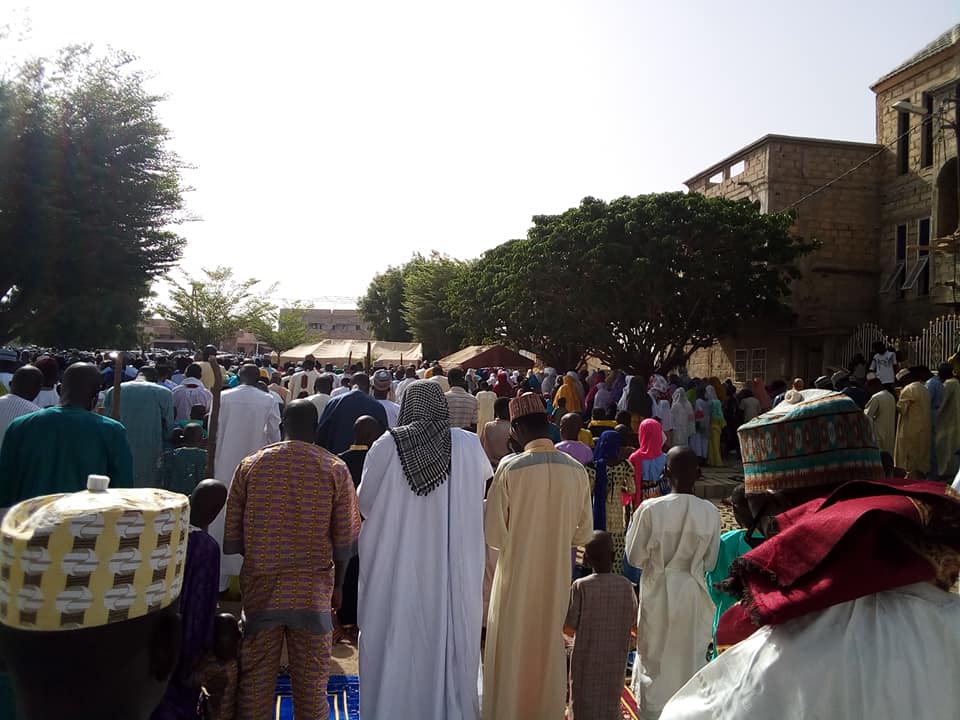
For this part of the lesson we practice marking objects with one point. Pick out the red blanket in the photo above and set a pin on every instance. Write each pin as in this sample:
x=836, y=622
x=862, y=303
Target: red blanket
x=864, y=538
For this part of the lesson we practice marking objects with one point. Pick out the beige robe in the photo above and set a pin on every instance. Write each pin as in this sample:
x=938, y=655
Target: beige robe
x=537, y=509
x=948, y=429
x=913, y=431
x=882, y=409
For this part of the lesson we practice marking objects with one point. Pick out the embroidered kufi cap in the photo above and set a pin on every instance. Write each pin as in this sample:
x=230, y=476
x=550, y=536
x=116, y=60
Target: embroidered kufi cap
x=815, y=439
x=86, y=559
x=527, y=404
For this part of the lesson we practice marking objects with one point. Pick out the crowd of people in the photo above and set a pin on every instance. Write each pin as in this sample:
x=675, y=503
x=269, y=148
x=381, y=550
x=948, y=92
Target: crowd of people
x=497, y=542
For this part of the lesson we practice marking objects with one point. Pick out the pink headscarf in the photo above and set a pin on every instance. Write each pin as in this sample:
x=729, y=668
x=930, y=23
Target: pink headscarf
x=651, y=441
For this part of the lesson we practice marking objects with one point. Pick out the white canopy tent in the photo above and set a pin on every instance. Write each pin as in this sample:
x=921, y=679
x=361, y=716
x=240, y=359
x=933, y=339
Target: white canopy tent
x=340, y=352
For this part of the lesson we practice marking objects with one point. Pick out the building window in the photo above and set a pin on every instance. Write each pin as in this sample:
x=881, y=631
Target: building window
x=358, y=327
x=740, y=361
x=923, y=256
x=898, y=274
x=926, y=137
x=758, y=363
x=903, y=142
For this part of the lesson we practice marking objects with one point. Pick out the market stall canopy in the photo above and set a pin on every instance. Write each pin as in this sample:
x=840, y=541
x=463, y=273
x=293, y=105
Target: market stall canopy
x=339, y=352
x=486, y=356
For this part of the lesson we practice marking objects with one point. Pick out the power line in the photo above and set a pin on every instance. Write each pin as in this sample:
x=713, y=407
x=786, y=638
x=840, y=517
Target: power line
x=856, y=167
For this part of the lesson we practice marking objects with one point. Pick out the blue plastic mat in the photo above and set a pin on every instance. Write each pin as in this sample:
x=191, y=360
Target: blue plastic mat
x=343, y=693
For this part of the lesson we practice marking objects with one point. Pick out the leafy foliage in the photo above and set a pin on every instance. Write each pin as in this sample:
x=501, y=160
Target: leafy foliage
x=426, y=303
x=209, y=309
x=88, y=194
x=413, y=301
x=382, y=306
x=640, y=282
x=284, y=328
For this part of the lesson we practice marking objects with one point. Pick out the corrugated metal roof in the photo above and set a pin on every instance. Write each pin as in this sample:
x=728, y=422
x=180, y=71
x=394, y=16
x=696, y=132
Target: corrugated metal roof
x=950, y=37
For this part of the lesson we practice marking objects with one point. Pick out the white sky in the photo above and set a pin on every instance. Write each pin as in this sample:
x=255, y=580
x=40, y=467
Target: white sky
x=331, y=140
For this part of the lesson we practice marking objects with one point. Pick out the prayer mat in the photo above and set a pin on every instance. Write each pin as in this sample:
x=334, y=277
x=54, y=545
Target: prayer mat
x=343, y=694
x=628, y=705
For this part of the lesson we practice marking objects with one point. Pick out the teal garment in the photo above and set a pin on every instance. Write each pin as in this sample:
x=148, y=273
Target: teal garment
x=53, y=451
x=733, y=544
x=146, y=410
x=181, y=469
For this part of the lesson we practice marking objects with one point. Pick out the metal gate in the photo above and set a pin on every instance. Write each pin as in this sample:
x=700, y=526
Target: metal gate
x=937, y=342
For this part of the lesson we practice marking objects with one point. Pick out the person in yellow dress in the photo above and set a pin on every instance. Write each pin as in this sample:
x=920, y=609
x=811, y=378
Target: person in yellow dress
x=912, y=451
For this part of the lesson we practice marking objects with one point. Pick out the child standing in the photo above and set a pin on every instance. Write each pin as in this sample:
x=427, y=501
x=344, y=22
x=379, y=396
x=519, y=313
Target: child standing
x=601, y=615
x=183, y=467
x=219, y=671
x=674, y=539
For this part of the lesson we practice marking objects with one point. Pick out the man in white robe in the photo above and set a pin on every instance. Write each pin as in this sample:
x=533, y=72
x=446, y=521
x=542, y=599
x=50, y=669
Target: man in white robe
x=674, y=539
x=845, y=613
x=421, y=565
x=249, y=420
x=537, y=509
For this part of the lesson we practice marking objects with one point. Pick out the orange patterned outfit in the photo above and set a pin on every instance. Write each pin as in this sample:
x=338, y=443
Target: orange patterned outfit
x=292, y=512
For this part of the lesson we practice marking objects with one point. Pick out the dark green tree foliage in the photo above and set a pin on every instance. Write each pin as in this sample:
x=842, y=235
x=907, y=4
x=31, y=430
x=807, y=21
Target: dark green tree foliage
x=640, y=282
x=88, y=193
x=413, y=301
x=382, y=307
x=207, y=310
x=518, y=296
x=427, y=303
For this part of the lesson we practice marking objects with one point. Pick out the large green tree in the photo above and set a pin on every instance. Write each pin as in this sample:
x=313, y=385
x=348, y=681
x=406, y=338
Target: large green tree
x=284, y=328
x=207, y=310
x=382, y=306
x=514, y=295
x=89, y=192
x=427, y=303
x=412, y=302
x=639, y=282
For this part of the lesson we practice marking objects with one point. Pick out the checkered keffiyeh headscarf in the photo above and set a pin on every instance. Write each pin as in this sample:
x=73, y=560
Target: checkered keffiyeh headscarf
x=423, y=436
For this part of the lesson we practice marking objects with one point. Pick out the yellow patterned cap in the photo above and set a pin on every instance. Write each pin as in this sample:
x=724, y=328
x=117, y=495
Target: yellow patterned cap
x=91, y=558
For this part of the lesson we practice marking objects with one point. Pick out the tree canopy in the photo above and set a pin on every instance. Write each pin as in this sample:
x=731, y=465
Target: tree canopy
x=413, y=301
x=638, y=282
x=88, y=195
x=382, y=306
x=209, y=309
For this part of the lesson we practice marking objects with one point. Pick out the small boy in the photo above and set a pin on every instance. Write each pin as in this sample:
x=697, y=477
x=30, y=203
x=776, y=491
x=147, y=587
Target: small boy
x=198, y=416
x=602, y=613
x=183, y=467
x=219, y=670
x=674, y=540
x=366, y=430
x=198, y=603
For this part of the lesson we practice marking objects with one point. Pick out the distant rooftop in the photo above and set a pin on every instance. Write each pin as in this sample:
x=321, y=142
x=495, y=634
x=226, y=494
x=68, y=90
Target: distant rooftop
x=946, y=40
x=772, y=138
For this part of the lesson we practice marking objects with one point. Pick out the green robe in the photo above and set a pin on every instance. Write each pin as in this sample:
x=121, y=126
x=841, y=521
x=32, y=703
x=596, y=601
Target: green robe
x=53, y=451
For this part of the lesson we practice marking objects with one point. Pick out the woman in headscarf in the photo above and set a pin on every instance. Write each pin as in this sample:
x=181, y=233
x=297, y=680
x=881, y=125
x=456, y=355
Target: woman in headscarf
x=761, y=394
x=534, y=381
x=660, y=398
x=700, y=441
x=683, y=418
x=648, y=463
x=617, y=387
x=578, y=383
x=421, y=562
x=717, y=423
x=502, y=387
x=549, y=383
x=636, y=401
x=568, y=391
x=611, y=477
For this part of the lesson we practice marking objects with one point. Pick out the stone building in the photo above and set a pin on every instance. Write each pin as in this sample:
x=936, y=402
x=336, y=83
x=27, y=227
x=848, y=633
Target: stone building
x=882, y=213
x=338, y=323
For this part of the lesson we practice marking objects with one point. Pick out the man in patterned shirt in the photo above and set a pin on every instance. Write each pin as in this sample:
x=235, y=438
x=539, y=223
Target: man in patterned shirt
x=292, y=513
